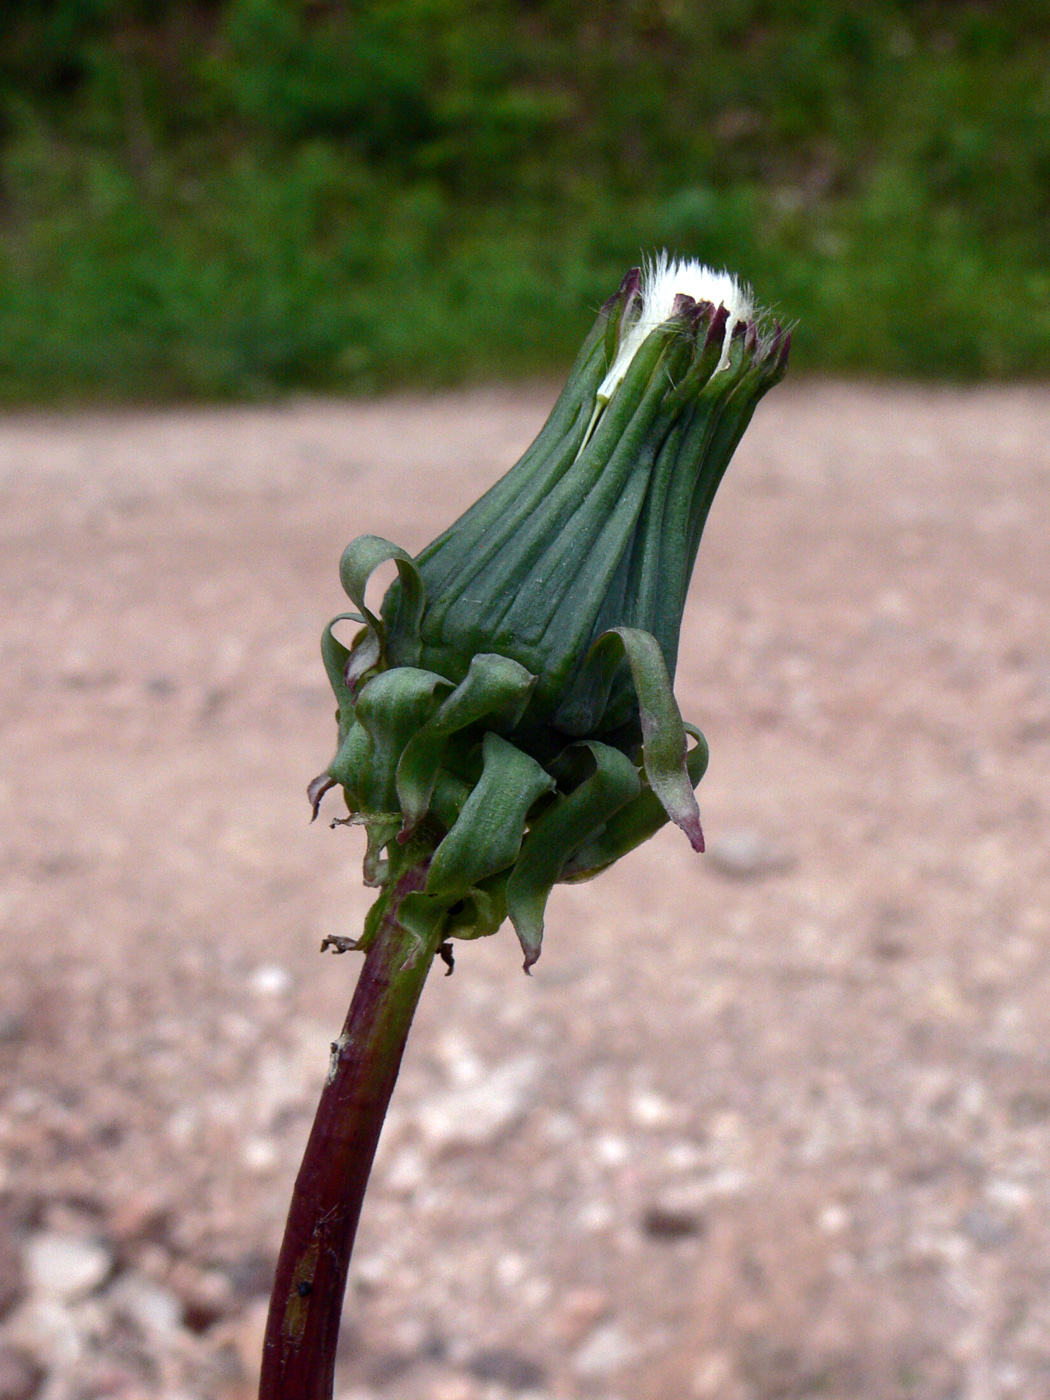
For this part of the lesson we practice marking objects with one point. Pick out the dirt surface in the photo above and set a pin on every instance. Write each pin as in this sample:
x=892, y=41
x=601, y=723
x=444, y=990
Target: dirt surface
x=765, y=1124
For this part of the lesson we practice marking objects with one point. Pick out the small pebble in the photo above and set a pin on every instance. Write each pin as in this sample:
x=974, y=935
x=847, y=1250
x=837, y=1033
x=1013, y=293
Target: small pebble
x=205, y=1294
x=662, y=1223
x=833, y=1219
x=259, y=1154
x=610, y=1150
x=507, y=1368
x=744, y=854
x=45, y=1329
x=65, y=1267
x=477, y=1115
x=712, y=1375
x=651, y=1110
x=604, y=1351
x=143, y=1216
x=580, y=1310
x=407, y=1171
x=155, y=1310
x=270, y=980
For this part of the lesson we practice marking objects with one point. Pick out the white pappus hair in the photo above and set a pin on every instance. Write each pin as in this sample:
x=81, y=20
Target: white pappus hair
x=663, y=278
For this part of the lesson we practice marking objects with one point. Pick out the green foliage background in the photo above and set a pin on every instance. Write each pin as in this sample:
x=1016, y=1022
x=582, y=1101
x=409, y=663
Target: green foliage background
x=245, y=196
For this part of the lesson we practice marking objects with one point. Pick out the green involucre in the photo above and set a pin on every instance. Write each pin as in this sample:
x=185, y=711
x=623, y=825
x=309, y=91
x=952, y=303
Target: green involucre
x=510, y=709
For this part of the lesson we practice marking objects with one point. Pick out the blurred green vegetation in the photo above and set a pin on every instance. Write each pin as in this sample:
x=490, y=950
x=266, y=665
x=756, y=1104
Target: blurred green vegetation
x=241, y=197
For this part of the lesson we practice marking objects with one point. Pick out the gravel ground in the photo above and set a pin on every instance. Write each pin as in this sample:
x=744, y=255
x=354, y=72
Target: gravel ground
x=766, y=1124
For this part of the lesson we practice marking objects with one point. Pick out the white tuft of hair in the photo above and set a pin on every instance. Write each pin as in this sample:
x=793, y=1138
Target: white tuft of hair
x=663, y=278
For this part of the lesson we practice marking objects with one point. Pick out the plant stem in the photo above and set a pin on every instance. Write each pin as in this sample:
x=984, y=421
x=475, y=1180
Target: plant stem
x=302, y=1329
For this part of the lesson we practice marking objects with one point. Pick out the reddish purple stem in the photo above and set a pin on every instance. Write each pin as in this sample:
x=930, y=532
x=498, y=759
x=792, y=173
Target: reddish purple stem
x=302, y=1330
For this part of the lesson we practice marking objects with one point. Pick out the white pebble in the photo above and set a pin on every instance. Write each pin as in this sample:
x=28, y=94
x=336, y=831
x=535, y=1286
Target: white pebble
x=154, y=1310
x=478, y=1114
x=259, y=1154
x=511, y=1269
x=1011, y=1195
x=610, y=1150
x=595, y=1215
x=604, y=1352
x=744, y=853
x=406, y=1172
x=47, y=1331
x=270, y=980
x=65, y=1266
x=651, y=1110
x=833, y=1219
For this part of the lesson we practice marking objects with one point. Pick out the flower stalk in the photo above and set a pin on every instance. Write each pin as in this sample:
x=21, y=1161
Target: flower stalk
x=302, y=1330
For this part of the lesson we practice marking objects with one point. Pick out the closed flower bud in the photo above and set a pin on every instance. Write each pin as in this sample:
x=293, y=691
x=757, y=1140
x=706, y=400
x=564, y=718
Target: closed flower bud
x=514, y=697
